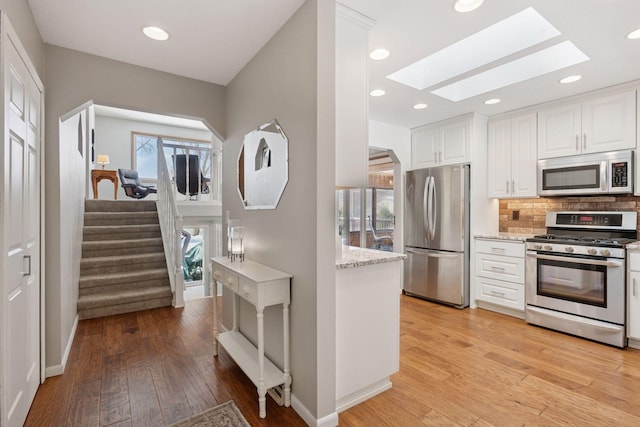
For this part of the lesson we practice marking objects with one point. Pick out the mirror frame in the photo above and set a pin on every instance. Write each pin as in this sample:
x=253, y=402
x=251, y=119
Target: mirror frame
x=266, y=129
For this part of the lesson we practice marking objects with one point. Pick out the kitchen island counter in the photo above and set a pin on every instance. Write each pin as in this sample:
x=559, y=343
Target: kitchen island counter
x=353, y=256
x=368, y=286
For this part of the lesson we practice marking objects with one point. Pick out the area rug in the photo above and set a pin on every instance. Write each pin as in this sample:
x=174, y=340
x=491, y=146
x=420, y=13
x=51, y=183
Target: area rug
x=225, y=415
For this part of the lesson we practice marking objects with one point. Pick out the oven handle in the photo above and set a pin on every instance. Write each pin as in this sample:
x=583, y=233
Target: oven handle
x=576, y=260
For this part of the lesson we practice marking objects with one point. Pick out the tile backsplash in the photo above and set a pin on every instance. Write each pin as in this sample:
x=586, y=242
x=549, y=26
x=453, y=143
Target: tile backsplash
x=526, y=216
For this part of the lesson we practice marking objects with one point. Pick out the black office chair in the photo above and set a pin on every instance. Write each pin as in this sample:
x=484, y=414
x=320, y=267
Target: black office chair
x=196, y=182
x=132, y=185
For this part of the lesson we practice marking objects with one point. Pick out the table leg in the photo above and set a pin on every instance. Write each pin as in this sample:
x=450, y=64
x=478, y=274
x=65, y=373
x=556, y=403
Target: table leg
x=94, y=184
x=285, y=335
x=115, y=188
x=215, y=316
x=262, y=391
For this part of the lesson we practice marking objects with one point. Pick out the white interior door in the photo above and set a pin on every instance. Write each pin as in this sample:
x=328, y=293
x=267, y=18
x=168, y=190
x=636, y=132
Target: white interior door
x=21, y=242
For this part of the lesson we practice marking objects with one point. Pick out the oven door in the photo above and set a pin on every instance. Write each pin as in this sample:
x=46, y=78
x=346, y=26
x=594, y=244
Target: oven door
x=585, y=286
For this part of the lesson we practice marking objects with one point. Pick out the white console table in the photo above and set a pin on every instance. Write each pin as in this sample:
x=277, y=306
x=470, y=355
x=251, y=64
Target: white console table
x=261, y=286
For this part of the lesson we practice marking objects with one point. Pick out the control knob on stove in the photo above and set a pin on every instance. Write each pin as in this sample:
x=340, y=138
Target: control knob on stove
x=605, y=252
x=537, y=246
x=548, y=247
x=568, y=249
x=592, y=251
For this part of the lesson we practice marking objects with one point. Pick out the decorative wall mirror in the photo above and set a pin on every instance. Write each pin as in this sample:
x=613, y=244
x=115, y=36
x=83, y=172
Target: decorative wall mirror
x=263, y=167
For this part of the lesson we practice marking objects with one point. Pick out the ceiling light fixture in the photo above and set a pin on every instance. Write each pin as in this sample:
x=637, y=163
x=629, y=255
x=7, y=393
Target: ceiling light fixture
x=635, y=34
x=492, y=101
x=420, y=106
x=463, y=6
x=511, y=35
x=155, y=33
x=545, y=61
x=377, y=92
x=570, y=79
x=378, y=54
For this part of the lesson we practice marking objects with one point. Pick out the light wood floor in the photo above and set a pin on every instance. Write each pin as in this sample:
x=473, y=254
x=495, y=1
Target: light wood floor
x=469, y=367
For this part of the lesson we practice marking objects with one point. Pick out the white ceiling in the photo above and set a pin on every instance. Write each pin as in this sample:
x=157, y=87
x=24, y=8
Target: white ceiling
x=413, y=29
x=212, y=40
x=141, y=116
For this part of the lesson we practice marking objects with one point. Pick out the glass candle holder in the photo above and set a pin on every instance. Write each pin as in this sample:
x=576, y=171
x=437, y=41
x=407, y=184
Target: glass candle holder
x=237, y=243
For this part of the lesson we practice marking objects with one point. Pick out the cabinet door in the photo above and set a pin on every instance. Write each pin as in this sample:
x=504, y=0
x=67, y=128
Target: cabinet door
x=559, y=131
x=608, y=123
x=499, y=158
x=456, y=137
x=633, y=327
x=523, y=156
x=425, y=143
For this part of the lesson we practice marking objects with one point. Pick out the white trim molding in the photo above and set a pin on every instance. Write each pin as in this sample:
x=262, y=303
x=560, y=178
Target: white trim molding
x=330, y=420
x=52, y=371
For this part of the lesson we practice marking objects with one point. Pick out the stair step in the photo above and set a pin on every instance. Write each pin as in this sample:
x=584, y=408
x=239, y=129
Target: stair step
x=123, y=278
x=120, y=218
x=90, y=306
x=103, y=248
x=119, y=205
x=120, y=264
x=121, y=232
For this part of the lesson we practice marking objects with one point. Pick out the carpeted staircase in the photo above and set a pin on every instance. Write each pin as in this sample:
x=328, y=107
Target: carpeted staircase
x=123, y=268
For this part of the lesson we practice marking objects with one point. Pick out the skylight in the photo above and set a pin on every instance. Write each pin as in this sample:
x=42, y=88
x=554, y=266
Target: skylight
x=513, y=34
x=554, y=58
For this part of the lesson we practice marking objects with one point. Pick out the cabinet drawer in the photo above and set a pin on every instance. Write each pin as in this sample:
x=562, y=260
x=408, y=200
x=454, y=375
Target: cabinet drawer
x=634, y=260
x=500, y=247
x=500, y=267
x=227, y=278
x=506, y=294
x=248, y=290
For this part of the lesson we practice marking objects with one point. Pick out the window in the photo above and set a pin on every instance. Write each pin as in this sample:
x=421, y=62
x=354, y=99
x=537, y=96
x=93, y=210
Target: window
x=145, y=153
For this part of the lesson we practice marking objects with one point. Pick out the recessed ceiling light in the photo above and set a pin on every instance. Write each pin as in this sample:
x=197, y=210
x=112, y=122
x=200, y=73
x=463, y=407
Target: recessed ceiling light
x=420, y=106
x=467, y=5
x=155, y=33
x=379, y=54
x=545, y=61
x=570, y=79
x=634, y=34
x=377, y=92
x=492, y=101
x=511, y=35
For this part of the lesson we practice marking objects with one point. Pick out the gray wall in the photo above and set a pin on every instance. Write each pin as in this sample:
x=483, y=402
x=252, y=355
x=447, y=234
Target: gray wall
x=283, y=82
x=73, y=78
x=21, y=18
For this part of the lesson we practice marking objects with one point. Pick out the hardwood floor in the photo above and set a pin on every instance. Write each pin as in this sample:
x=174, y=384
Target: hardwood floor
x=469, y=367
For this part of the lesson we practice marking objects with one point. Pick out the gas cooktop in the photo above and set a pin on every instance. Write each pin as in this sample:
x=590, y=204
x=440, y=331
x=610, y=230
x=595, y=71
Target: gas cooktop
x=582, y=240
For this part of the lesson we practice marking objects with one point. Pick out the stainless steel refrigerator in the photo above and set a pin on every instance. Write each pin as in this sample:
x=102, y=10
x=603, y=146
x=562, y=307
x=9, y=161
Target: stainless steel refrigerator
x=437, y=234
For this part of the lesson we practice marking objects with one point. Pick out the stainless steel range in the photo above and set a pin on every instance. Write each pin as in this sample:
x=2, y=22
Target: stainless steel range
x=575, y=274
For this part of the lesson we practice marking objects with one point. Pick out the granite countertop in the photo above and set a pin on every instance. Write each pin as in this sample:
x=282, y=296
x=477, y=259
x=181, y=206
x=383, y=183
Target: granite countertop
x=633, y=246
x=357, y=257
x=505, y=236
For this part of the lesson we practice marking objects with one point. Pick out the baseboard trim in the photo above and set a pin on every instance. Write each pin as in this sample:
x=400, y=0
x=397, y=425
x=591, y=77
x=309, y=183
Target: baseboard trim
x=363, y=394
x=330, y=420
x=52, y=371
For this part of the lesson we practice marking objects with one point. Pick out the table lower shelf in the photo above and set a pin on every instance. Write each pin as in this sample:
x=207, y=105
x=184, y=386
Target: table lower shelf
x=245, y=355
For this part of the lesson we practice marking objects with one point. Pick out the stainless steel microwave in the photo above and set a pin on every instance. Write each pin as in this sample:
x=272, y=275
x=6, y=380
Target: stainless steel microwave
x=588, y=174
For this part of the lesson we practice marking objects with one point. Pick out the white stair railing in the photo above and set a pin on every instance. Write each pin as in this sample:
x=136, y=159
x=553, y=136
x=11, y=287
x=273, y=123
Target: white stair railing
x=171, y=226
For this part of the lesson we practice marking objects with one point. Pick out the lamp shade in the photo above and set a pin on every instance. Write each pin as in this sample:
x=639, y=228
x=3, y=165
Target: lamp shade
x=103, y=159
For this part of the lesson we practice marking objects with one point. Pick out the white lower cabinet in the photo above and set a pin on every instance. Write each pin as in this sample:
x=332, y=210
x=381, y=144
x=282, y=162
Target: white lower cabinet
x=633, y=298
x=499, y=276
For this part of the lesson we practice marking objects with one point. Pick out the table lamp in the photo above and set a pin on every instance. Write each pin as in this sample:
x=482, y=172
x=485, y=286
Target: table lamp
x=103, y=159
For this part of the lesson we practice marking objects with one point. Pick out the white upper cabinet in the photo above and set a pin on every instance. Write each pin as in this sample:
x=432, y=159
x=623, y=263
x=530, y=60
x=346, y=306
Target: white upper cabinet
x=593, y=126
x=511, y=157
x=440, y=144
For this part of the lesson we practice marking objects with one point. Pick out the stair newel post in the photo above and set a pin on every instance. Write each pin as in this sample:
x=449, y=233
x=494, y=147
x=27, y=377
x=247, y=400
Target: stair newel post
x=179, y=279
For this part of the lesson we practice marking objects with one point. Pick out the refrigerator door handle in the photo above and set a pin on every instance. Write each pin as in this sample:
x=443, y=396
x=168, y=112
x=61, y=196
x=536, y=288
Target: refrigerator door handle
x=425, y=212
x=442, y=255
x=433, y=211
